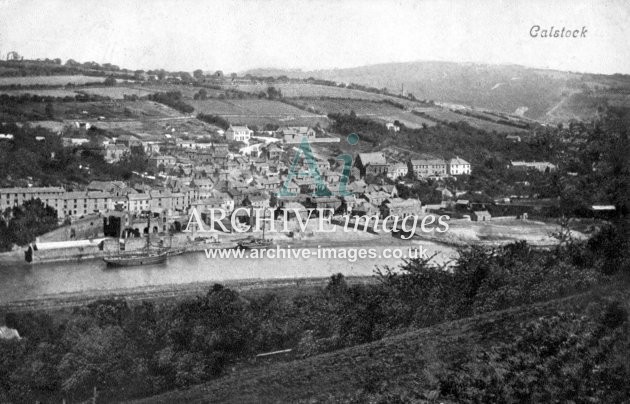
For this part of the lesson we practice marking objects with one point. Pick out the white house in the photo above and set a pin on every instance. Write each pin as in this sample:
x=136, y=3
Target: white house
x=392, y=127
x=238, y=133
x=458, y=166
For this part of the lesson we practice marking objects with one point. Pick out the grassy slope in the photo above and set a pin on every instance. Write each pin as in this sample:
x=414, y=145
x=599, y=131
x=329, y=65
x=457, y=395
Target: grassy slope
x=407, y=361
x=546, y=94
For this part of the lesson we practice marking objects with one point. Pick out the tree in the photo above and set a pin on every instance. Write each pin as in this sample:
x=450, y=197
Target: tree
x=273, y=93
x=30, y=220
x=110, y=81
x=198, y=74
x=49, y=111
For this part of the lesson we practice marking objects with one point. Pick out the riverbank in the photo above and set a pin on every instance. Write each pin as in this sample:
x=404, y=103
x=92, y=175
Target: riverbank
x=461, y=233
x=173, y=291
x=24, y=282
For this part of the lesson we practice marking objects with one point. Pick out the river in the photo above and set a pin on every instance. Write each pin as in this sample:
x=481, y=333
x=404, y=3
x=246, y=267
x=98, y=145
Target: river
x=25, y=281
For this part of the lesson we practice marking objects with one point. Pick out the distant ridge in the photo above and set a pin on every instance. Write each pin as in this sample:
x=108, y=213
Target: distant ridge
x=542, y=94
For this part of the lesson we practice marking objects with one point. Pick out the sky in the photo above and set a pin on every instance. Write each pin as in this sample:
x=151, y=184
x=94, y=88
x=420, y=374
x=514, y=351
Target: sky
x=237, y=35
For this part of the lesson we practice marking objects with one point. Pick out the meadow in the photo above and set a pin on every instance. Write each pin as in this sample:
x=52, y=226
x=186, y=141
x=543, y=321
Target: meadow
x=256, y=112
x=294, y=90
x=44, y=92
x=117, y=93
x=445, y=115
x=49, y=80
x=364, y=108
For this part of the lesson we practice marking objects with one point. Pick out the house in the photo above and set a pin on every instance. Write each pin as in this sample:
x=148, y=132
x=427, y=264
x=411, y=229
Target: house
x=162, y=161
x=363, y=207
x=603, y=211
x=259, y=200
x=401, y=208
x=513, y=138
x=238, y=134
x=392, y=127
x=391, y=190
x=322, y=165
x=262, y=167
x=186, y=144
x=376, y=198
x=151, y=147
x=50, y=196
x=331, y=177
x=138, y=203
x=542, y=166
x=462, y=204
x=202, y=184
x=82, y=125
x=129, y=140
x=274, y=152
x=220, y=200
x=397, y=170
x=306, y=184
x=458, y=166
x=115, y=152
x=480, y=216
x=7, y=333
x=295, y=134
x=73, y=141
x=324, y=202
x=446, y=193
x=291, y=187
x=428, y=167
x=357, y=187
x=272, y=184
x=371, y=163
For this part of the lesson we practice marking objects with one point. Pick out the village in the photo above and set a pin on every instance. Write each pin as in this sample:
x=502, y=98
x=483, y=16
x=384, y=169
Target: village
x=239, y=171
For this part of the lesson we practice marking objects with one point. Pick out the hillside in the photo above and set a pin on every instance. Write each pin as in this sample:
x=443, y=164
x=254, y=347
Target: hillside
x=545, y=95
x=424, y=363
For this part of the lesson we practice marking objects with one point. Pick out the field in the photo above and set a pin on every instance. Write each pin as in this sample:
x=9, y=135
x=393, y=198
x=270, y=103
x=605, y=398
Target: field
x=91, y=111
x=293, y=90
x=116, y=93
x=305, y=90
x=114, y=110
x=257, y=112
x=368, y=109
x=450, y=116
x=54, y=92
x=50, y=80
x=188, y=91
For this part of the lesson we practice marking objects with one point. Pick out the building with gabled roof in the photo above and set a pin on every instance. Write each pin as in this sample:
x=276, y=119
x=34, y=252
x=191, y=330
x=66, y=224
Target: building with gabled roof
x=371, y=163
x=238, y=134
x=458, y=166
x=429, y=166
x=295, y=134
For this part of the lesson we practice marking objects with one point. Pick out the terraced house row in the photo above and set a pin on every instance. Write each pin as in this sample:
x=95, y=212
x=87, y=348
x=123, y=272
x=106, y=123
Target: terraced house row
x=81, y=203
x=375, y=164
